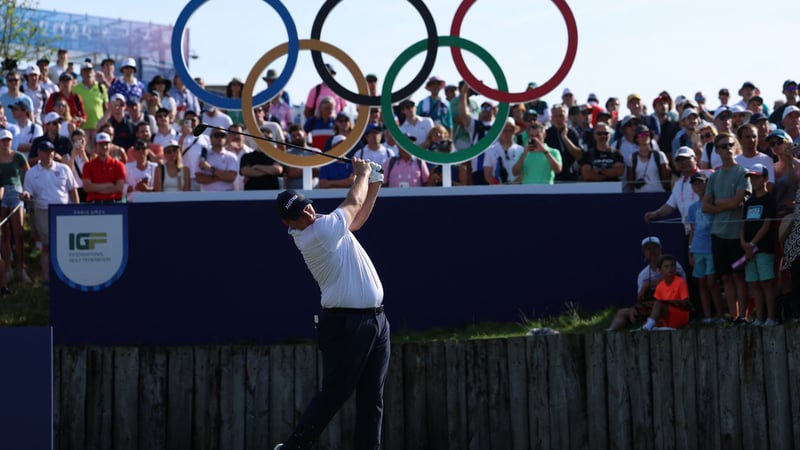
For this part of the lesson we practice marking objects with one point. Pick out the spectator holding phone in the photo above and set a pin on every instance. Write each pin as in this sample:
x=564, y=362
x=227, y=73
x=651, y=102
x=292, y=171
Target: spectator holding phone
x=139, y=172
x=539, y=163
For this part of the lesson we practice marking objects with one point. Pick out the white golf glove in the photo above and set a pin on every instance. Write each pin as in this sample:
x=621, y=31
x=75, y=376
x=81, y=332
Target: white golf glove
x=376, y=176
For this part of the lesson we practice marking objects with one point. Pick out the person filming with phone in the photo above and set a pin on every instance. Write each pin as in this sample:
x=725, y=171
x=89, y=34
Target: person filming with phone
x=539, y=163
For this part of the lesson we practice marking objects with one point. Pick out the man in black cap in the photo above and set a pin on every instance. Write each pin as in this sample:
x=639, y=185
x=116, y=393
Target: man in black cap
x=790, y=91
x=352, y=329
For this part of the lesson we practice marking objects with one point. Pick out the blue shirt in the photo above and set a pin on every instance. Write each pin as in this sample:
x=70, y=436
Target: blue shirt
x=701, y=241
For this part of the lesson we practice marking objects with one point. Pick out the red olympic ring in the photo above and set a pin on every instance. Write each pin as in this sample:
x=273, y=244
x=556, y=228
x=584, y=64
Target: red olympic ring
x=519, y=97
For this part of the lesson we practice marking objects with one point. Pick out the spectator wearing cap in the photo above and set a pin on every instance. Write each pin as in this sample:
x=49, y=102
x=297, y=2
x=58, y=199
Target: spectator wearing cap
x=217, y=170
x=747, y=91
x=139, y=113
x=213, y=116
x=790, y=92
x=60, y=67
x=185, y=100
x=34, y=89
x=259, y=170
x=372, y=84
x=47, y=183
x=321, y=125
x=568, y=98
x=123, y=125
x=761, y=122
x=28, y=129
x=786, y=171
x=671, y=111
x=668, y=126
x=524, y=118
x=646, y=283
x=450, y=92
x=277, y=110
x=140, y=173
x=748, y=138
x=42, y=64
x=566, y=141
x=14, y=94
x=320, y=91
x=724, y=197
x=501, y=156
x=172, y=175
x=791, y=122
x=724, y=97
x=538, y=105
x=414, y=125
x=63, y=145
x=637, y=109
x=162, y=86
x=270, y=78
x=107, y=73
x=689, y=123
x=343, y=125
x=647, y=170
x=602, y=162
x=77, y=110
x=103, y=176
x=462, y=137
x=374, y=150
x=625, y=138
x=757, y=240
x=338, y=174
x=127, y=85
x=723, y=120
x=434, y=106
x=475, y=129
x=706, y=132
x=94, y=97
x=755, y=105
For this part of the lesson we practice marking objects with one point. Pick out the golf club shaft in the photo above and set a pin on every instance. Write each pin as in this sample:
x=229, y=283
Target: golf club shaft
x=198, y=130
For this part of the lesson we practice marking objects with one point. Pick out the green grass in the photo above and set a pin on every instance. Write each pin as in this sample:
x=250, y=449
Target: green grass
x=27, y=306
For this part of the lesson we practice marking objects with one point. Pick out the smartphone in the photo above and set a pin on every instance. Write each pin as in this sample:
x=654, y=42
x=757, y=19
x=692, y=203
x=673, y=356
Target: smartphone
x=145, y=179
x=187, y=123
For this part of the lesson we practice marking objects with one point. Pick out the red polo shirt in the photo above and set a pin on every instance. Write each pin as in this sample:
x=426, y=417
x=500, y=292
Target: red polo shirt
x=108, y=171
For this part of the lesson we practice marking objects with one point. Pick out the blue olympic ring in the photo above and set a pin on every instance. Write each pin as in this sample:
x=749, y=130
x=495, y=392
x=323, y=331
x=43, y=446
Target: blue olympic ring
x=225, y=102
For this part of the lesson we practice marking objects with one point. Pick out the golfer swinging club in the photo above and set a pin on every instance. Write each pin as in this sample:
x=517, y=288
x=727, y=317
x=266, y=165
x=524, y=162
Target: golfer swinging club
x=353, y=332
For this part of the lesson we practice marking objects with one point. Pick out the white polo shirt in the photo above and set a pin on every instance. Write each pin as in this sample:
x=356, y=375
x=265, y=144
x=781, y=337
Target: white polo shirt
x=343, y=270
x=49, y=186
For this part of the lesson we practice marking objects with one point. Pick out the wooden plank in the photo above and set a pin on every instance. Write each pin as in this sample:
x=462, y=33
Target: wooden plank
x=231, y=397
x=180, y=390
x=518, y=392
x=557, y=406
x=206, y=404
x=57, y=351
x=257, y=432
x=754, y=406
x=73, y=398
x=477, y=401
x=331, y=437
x=638, y=369
x=436, y=395
x=414, y=387
x=126, y=399
x=538, y=393
x=618, y=346
x=709, y=429
x=305, y=377
x=152, y=427
x=596, y=391
x=684, y=355
x=776, y=382
x=793, y=363
x=393, y=433
x=99, y=397
x=663, y=388
x=574, y=367
x=455, y=355
x=730, y=385
x=281, y=390
x=497, y=393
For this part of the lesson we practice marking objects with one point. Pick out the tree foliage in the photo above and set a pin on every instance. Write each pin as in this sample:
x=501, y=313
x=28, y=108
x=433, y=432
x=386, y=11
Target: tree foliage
x=20, y=36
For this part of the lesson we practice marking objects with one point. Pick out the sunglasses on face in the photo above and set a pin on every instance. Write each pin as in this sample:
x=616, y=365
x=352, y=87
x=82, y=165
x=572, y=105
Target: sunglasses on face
x=12, y=79
x=601, y=133
x=725, y=146
x=706, y=135
x=641, y=135
x=775, y=143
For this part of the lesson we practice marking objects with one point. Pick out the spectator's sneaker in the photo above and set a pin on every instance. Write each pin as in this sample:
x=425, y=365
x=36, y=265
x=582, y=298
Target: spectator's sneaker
x=5, y=291
x=739, y=321
x=770, y=323
x=23, y=274
x=708, y=321
x=719, y=321
x=278, y=447
x=757, y=323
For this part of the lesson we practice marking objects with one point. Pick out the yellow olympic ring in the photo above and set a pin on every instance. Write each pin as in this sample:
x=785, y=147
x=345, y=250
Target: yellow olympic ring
x=339, y=149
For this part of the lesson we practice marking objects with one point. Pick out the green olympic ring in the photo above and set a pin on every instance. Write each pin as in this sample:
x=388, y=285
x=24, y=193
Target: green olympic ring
x=435, y=157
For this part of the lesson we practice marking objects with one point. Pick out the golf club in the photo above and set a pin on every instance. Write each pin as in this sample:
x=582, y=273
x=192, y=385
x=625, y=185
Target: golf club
x=199, y=129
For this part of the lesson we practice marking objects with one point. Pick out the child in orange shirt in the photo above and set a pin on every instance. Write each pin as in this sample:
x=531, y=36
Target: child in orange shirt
x=672, y=306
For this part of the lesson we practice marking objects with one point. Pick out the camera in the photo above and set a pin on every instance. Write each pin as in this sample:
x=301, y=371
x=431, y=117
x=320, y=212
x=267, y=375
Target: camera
x=442, y=146
x=638, y=183
x=145, y=179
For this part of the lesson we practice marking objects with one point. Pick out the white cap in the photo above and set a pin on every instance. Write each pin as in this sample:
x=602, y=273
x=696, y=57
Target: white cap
x=5, y=134
x=171, y=143
x=52, y=116
x=688, y=112
x=789, y=109
x=117, y=96
x=128, y=62
x=336, y=139
x=102, y=137
x=720, y=110
x=651, y=240
x=565, y=92
x=33, y=70
x=684, y=152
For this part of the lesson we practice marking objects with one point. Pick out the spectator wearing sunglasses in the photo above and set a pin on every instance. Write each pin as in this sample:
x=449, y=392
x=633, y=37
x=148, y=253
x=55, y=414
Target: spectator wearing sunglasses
x=602, y=162
x=790, y=92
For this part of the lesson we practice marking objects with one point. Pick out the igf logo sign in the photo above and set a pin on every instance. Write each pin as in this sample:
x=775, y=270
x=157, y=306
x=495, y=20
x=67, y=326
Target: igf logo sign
x=86, y=241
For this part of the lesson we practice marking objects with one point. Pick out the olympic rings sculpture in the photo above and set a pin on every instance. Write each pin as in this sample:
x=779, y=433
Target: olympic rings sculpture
x=431, y=44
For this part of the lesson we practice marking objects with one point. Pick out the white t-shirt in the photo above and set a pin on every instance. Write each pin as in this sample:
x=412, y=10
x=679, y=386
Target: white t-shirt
x=381, y=156
x=222, y=160
x=760, y=158
x=649, y=171
x=508, y=157
x=419, y=130
x=220, y=119
x=345, y=274
x=162, y=139
x=133, y=174
x=49, y=186
x=191, y=157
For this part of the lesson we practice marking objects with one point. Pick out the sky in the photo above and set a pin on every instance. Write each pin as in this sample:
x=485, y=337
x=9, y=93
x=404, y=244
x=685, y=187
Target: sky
x=624, y=46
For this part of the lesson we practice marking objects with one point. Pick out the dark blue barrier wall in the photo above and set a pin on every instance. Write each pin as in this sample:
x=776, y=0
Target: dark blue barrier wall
x=221, y=272
x=26, y=388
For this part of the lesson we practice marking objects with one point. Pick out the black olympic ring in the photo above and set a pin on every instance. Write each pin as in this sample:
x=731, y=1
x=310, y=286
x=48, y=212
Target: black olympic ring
x=406, y=91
